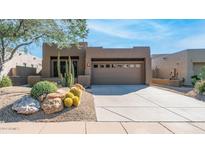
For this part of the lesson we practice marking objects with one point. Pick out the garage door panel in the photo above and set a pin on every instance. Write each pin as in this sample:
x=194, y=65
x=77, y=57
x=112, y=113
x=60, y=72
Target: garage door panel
x=118, y=75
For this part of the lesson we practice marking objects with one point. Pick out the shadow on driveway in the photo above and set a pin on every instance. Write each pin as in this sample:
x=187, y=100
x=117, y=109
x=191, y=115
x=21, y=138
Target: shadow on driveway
x=116, y=89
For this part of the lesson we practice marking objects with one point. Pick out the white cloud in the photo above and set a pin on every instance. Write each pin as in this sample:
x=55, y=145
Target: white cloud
x=141, y=29
x=196, y=41
x=112, y=30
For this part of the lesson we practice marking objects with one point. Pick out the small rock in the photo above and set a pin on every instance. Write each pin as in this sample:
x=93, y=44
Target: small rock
x=26, y=105
x=52, y=105
x=62, y=91
x=55, y=95
x=42, y=97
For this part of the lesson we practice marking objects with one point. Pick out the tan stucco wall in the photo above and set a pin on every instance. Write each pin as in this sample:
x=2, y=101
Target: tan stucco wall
x=49, y=51
x=194, y=56
x=19, y=59
x=183, y=61
x=167, y=63
x=175, y=83
x=136, y=52
x=85, y=55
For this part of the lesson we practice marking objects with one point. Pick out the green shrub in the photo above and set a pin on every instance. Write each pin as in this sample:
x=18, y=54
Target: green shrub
x=202, y=73
x=194, y=79
x=200, y=86
x=5, y=82
x=43, y=87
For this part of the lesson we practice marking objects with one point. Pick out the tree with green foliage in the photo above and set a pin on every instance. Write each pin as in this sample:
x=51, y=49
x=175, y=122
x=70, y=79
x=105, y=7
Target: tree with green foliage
x=16, y=34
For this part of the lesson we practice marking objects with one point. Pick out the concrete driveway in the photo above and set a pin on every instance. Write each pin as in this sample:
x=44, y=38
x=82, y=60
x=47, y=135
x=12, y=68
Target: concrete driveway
x=145, y=103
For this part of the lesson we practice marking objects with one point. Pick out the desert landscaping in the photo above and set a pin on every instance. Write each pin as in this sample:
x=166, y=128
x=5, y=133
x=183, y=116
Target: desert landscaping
x=13, y=98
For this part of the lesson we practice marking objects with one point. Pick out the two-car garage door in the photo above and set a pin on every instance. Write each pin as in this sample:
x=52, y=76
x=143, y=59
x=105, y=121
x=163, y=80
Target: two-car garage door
x=118, y=72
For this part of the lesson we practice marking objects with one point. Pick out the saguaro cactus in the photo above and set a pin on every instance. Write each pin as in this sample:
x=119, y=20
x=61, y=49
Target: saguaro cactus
x=58, y=65
x=68, y=79
x=73, y=73
x=69, y=75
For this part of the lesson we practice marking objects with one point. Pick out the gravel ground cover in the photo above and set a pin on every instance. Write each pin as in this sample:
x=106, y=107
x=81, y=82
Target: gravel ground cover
x=8, y=95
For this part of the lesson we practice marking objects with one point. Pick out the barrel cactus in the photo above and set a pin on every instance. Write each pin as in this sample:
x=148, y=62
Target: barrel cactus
x=76, y=91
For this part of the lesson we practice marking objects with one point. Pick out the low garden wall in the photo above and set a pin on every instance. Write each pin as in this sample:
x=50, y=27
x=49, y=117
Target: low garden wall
x=168, y=82
x=18, y=80
x=33, y=79
x=82, y=79
x=19, y=75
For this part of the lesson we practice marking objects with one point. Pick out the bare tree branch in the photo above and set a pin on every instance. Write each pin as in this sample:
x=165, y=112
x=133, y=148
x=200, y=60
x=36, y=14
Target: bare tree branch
x=20, y=25
x=23, y=44
x=3, y=49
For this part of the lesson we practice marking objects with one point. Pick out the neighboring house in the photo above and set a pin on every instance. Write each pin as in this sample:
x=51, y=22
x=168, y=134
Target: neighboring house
x=22, y=59
x=181, y=65
x=21, y=66
x=97, y=65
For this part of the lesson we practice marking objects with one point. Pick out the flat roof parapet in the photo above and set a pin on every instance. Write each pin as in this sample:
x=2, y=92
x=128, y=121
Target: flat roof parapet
x=141, y=47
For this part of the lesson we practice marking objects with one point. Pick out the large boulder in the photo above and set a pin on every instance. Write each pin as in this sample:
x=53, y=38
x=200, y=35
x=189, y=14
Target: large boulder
x=52, y=105
x=26, y=105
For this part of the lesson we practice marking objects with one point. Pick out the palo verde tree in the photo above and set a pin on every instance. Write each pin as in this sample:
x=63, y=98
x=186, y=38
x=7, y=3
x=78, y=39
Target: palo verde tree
x=19, y=33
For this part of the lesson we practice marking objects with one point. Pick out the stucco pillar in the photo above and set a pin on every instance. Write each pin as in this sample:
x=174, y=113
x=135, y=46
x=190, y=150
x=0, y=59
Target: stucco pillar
x=148, y=70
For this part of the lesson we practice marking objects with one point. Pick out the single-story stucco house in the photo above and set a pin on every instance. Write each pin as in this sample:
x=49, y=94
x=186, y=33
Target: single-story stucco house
x=98, y=65
x=180, y=65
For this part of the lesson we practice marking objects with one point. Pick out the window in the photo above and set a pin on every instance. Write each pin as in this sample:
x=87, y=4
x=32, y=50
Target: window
x=125, y=65
x=138, y=65
x=24, y=64
x=132, y=65
x=114, y=65
x=107, y=65
x=101, y=65
x=63, y=68
x=119, y=65
x=75, y=65
x=95, y=65
x=31, y=65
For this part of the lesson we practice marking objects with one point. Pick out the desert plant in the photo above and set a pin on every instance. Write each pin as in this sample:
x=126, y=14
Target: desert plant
x=68, y=79
x=69, y=94
x=76, y=91
x=68, y=102
x=202, y=73
x=65, y=79
x=194, y=79
x=5, y=82
x=59, y=65
x=200, y=86
x=70, y=73
x=73, y=74
x=43, y=87
x=76, y=101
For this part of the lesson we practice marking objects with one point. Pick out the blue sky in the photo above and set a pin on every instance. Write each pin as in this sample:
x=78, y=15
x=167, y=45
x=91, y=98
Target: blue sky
x=162, y=36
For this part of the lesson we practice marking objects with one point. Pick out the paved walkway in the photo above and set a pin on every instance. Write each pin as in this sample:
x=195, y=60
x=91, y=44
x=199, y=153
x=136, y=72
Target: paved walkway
x=147, y=104
x=103, y=128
